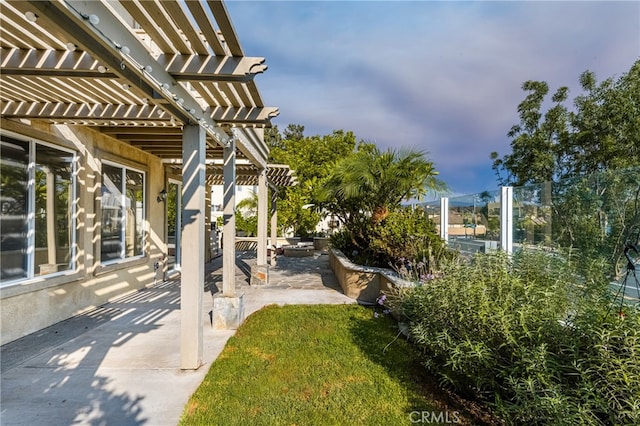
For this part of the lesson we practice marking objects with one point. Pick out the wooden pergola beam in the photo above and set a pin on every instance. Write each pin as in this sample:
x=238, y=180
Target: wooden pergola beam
x=65, y=63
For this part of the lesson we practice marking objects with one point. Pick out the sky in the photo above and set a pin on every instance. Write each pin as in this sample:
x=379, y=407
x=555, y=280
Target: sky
x=443, y=77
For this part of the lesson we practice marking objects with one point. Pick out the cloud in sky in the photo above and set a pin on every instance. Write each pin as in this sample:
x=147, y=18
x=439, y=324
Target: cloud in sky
x=443, y=77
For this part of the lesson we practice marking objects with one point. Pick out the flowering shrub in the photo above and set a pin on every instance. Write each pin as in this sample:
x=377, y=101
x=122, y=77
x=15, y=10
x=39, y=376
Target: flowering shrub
x=416, y=272
x=380, y=305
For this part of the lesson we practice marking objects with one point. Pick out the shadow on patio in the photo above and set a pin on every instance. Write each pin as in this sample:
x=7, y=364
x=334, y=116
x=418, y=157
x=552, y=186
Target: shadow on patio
x=119, y=363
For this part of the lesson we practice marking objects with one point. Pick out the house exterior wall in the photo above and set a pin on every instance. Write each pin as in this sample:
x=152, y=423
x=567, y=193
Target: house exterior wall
x=29, y=305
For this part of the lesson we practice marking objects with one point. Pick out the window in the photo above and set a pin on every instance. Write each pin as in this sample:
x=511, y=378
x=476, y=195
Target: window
x=174, y=224
x=122, y=206
x=37, y=209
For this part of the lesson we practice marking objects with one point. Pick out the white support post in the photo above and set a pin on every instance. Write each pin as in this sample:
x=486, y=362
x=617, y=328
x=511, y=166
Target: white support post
x=506, y=219
x=207, y=229
x=228, y=308
x=263, y=198
x=193, y=220
x=274, y=229
x=260, y=271
x=229, y=227
x=444, y=218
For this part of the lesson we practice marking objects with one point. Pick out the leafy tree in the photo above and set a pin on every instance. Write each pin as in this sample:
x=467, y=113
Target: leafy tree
x=312, y=158
x=365, y=192
x=598, y=214
x=595, y=144
x=249, y=204
x=294, y=132
x=601, y=132
x=534, y=141
x=247, y=225
x=272, y=138
x=247, y=215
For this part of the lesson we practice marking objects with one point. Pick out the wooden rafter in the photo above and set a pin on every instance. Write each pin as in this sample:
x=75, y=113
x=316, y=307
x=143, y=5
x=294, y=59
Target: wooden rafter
x=65, y=70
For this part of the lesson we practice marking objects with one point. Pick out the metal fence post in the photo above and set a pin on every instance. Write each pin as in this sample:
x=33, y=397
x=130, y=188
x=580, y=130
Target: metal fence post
x=506, y=219
x=444, y=218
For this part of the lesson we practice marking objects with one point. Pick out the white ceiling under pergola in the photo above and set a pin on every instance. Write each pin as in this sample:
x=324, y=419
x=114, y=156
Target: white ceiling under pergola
x=135, y=70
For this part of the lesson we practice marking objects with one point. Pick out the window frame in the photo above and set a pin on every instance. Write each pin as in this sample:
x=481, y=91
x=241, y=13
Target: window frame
x=124, y=168
x=31, y=275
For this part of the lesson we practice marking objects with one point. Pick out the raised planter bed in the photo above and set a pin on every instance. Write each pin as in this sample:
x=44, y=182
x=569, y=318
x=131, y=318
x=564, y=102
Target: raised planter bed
x=363, y=283
x=298, y=251
x=321, y=243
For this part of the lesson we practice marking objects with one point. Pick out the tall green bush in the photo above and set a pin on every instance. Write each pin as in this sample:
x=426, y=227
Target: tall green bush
x=404, y=237
x=527, y=336
x=407, y=235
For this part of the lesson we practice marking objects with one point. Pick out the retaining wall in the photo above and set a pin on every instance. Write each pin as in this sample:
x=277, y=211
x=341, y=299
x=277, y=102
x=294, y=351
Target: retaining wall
x=363, y=283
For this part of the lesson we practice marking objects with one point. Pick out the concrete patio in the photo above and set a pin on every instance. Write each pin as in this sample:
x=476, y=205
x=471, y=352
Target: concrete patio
x=119, y=364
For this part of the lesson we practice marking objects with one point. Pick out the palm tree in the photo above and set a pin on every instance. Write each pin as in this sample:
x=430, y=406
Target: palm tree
x=372, y=182
x=250, y=204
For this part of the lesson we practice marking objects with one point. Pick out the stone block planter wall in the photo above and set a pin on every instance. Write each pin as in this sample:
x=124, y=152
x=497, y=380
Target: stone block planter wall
x=362, y=283
x=321, y=243
x=298, y=251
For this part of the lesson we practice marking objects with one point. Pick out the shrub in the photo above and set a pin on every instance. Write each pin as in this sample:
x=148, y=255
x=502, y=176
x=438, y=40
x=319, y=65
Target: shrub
x=407, y=234
x=404, y=238
x=524, y=335
x=247, y=225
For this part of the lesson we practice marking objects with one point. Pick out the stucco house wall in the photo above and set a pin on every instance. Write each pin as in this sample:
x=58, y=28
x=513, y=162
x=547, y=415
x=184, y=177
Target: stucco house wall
x=29, y=305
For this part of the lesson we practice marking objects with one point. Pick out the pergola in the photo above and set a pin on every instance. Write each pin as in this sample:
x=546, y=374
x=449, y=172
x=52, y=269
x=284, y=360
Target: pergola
x=166, y=76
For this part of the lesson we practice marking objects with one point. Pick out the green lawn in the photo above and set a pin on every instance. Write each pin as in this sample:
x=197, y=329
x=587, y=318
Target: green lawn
x=315, y=365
